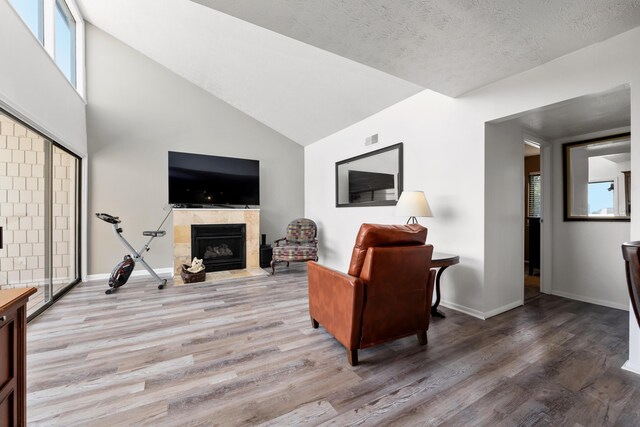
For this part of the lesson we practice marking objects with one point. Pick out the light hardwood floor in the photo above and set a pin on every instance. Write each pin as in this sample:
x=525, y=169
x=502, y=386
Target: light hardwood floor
x=245, y=353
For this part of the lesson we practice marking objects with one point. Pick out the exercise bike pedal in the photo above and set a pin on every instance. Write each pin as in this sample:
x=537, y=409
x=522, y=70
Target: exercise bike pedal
x=161, y=285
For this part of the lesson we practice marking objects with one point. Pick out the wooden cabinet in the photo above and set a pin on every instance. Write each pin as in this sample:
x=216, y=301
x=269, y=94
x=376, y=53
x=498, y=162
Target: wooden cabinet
x=13, y=356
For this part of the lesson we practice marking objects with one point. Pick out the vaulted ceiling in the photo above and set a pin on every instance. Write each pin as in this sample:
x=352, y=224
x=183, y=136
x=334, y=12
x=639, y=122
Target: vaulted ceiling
x=310, y=68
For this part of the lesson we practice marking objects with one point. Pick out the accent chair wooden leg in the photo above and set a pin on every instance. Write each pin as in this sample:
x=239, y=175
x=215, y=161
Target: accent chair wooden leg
x=314, y=323
x=352, y=355
x=422, y=337
x=287, y=264
x=273, y=267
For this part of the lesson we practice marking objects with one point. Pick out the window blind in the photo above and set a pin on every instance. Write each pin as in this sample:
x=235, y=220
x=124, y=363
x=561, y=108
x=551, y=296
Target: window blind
x=534, y=196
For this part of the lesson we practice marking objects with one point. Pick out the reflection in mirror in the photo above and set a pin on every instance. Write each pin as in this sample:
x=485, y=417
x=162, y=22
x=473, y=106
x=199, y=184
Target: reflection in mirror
x=597, y=179
x=372, y=179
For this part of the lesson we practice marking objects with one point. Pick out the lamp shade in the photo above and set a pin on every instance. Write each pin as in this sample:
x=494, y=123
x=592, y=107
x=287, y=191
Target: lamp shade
x=413, y=203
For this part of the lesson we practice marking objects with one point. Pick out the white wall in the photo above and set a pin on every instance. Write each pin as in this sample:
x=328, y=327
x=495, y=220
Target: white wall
x=587, y=259
x=633, y=364
x=427, y=124
x=504, y=211
x=634, y=331
x=444, y=156
x=34, y=89
x=137, y=112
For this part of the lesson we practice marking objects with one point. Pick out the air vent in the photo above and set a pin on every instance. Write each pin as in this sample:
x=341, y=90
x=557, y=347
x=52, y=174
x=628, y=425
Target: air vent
x=370, y=140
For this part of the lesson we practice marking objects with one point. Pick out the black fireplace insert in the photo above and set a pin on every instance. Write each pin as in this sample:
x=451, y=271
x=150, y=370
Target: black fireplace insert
x=220, y=246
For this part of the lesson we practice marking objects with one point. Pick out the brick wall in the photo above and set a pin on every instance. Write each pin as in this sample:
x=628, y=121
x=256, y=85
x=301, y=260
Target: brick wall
x=22, y=208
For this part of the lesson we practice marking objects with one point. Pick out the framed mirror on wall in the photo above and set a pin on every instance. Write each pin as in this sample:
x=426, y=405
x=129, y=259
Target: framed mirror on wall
x=371, y=179
x=597, y=179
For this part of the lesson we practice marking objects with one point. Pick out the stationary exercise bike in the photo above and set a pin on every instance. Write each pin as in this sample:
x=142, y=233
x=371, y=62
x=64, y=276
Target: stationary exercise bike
x=123, y=270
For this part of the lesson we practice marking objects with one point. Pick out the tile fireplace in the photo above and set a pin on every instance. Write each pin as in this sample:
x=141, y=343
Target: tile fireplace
x=224, y=231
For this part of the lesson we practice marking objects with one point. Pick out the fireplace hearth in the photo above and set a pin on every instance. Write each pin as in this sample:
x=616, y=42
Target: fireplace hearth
x=220, y=246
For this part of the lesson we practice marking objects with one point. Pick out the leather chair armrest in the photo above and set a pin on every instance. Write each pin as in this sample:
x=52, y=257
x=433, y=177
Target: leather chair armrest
x=336, y=301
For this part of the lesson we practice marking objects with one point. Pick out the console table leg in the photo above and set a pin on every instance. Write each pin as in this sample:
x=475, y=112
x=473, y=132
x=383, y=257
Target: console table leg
x=434, y=309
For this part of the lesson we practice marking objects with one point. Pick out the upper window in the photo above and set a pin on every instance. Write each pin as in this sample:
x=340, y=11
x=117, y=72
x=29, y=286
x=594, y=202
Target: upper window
x=59, y=27
x=31, y=13
x=65, y=41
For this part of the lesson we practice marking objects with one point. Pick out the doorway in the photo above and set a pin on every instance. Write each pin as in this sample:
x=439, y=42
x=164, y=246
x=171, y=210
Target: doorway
x=532, y=218
x=577, y=256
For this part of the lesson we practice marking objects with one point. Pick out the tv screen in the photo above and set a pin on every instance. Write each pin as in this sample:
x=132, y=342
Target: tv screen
x=197, y=179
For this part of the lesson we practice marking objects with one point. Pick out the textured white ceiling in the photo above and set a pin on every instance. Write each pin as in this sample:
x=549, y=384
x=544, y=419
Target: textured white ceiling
x=450, y=46
x=310, y=68
x=303, y=92
x=578, y=116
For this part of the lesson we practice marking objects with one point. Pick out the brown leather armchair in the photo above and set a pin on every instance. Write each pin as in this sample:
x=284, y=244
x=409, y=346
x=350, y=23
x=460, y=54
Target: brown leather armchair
x=386, y=294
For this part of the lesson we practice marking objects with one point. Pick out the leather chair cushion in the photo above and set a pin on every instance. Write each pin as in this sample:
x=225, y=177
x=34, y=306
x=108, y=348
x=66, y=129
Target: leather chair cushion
x=376, y=235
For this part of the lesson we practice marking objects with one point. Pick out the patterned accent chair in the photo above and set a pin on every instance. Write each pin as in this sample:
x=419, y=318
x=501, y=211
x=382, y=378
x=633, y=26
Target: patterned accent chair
x=299, y=245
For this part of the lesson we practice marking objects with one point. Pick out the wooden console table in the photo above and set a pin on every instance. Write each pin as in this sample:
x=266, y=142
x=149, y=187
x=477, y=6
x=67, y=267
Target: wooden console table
x=13, y=356
x=441, y=261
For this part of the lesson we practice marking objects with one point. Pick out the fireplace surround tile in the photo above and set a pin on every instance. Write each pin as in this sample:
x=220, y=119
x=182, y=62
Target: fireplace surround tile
x=184, y=218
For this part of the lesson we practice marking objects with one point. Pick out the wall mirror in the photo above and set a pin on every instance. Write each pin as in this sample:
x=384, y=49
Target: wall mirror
x=372, y=179
x=597, y=179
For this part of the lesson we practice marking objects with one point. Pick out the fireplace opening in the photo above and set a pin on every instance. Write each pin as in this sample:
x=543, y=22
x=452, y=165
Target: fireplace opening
x=220, y=246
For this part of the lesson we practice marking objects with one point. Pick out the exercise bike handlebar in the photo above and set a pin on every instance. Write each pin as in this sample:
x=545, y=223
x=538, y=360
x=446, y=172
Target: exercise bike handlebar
x=108, y=218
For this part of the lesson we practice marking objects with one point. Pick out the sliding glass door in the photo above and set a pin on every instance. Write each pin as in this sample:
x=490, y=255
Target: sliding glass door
x=39, y=200
x=64, y=219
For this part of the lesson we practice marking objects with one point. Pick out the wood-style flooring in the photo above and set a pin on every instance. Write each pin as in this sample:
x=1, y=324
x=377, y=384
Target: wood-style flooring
x=531, y=284
x=244, y=353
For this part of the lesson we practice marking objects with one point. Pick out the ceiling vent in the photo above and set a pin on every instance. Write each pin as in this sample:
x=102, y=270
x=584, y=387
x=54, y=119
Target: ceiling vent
x=370, y=140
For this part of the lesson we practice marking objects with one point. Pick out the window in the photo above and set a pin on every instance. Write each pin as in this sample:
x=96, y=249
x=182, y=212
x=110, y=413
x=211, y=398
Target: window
x=59, y=27
x=534, y=196
x=600, y=198
x=31, y=13
x=65, y=41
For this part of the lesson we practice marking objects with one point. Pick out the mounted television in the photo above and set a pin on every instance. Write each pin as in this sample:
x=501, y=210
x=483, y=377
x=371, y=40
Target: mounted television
x=197, y=179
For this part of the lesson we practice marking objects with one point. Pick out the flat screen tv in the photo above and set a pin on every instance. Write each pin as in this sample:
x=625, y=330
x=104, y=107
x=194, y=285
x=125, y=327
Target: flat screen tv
x=197, y=179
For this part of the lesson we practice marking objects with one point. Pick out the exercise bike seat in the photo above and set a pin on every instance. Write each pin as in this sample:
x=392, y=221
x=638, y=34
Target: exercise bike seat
x=108, y=218
x=156, y=233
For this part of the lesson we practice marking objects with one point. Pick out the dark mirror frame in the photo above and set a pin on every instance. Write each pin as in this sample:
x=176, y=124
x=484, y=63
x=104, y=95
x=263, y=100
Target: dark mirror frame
x=370, y=154
x=566, y=180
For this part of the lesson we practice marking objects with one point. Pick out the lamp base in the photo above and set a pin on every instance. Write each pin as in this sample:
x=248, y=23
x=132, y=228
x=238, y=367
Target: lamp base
x=412, y=220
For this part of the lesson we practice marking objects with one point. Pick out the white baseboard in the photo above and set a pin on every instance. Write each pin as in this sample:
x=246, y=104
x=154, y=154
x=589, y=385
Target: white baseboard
x=596, y=301
x=137, y=273
x=479, y=314
x=462, y=309
x=503, y=309
x=628, y=366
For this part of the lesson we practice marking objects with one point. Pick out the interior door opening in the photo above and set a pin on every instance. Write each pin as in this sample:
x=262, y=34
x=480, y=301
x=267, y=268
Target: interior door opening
x=532, y=219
